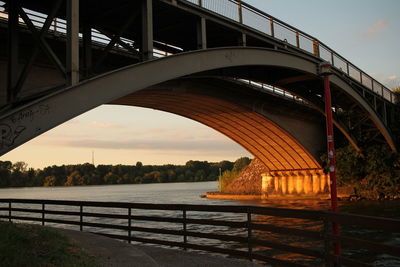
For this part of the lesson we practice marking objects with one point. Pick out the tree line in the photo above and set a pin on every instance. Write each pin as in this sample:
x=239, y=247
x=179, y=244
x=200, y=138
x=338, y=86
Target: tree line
x=19, y=175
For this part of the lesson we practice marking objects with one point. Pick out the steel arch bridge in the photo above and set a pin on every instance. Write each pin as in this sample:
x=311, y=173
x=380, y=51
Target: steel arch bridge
x=223, y=63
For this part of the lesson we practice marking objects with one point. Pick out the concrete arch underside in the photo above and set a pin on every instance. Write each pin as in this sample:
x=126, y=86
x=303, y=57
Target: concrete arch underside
x=21, y=124
x=266, y=140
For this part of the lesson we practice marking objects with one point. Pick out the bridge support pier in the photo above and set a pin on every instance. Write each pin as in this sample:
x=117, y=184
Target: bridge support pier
x=294, y=183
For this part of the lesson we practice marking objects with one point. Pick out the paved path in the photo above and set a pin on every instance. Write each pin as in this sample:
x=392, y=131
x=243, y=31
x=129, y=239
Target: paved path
x=114, y=253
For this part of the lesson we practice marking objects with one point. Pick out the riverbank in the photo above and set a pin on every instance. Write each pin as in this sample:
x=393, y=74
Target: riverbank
x=343, y=193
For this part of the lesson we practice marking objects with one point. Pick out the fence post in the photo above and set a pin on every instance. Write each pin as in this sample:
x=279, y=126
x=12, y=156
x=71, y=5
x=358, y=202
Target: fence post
x=271, y=25
x=81, y=218
x=316, y=48
x=249, y=235
x=129, y=224
x=43, y=211
x=184, y=227
x=239, y=2
x=9, y=211
x=297, y=39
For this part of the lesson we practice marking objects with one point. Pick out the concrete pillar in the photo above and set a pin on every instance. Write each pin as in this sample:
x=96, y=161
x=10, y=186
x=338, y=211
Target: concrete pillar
x=266, y=183
x=284, y=183
x=323, y=182
x=308, y=185
x=291, y=183
x=300, y=182
x=316, y=184
x=277, y=183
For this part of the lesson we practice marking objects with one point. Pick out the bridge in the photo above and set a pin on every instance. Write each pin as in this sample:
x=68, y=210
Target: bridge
x=225, y=64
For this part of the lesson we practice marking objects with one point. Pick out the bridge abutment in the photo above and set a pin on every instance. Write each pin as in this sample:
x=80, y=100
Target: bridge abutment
x=294, y=183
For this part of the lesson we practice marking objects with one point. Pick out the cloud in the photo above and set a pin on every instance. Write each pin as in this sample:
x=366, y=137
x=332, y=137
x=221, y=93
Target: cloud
x=196, y=145
x=389, y=81
x=103, y=125
x=376, y=28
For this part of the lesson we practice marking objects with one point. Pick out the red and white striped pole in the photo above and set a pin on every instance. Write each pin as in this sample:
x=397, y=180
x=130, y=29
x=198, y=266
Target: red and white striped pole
x=325, y=69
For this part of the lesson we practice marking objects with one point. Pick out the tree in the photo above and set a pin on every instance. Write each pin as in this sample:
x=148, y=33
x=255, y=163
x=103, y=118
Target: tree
x=5, y=173
x=200, y=176
x=19, y=166
x=49, y=181
x=74, y=178
x=227, y=178
x=111, y=178
x=18, y=174
x=139, y=165
x=240, y=164
x=225, y=165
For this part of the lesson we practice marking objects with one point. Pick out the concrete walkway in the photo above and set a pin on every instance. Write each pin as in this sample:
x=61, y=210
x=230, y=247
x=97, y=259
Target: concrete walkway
x=114, y=253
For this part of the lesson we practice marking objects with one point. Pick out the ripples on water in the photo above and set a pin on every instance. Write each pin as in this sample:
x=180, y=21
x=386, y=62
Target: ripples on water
x=188, y=193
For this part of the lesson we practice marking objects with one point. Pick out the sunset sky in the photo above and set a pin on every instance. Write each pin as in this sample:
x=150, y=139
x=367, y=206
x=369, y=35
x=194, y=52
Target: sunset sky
x=366, y=32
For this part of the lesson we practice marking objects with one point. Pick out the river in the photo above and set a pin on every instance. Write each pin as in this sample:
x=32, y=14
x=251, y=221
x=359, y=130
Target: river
x=188, y=193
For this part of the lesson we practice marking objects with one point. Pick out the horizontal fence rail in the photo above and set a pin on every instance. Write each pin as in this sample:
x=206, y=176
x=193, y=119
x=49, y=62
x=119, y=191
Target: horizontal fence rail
x=264, y=23
x=242, y=231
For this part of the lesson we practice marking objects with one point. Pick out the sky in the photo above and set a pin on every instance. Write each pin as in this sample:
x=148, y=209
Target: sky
x=366, y=32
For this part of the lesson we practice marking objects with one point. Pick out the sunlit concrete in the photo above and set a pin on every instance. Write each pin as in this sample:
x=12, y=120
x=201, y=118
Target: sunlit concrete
x=305, y=183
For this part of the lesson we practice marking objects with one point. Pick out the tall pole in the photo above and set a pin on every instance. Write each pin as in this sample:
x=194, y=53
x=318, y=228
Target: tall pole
x=325, y=72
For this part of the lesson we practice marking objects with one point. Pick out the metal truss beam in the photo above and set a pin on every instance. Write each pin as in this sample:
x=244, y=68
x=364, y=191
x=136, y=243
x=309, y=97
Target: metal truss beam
x=72, y=53
x=40, y=42
x=201, y=33
x=12, y=72
x=147, y=30
x=115, y=39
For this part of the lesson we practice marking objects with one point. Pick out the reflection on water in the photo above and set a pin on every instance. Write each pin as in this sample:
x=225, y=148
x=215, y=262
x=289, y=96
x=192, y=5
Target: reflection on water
x=188, y=193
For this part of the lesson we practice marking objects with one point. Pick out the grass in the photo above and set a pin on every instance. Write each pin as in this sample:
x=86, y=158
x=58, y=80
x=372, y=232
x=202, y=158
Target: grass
x=33, y=245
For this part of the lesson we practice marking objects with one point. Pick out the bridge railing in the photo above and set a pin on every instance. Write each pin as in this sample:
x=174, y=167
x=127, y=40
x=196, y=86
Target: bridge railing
x=58, y=27
x=280, y=92
x=283, y=237
x=264, y=23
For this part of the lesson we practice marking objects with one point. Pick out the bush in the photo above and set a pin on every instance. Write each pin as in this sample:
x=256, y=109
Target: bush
x=376, y=169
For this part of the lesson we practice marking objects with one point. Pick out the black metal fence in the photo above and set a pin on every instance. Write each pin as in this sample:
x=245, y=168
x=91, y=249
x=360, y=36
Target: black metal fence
x=252, y=228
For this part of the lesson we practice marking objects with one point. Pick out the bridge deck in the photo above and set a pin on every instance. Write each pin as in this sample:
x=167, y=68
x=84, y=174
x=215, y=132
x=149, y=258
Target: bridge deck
x=229, y=23
x=126, y=34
